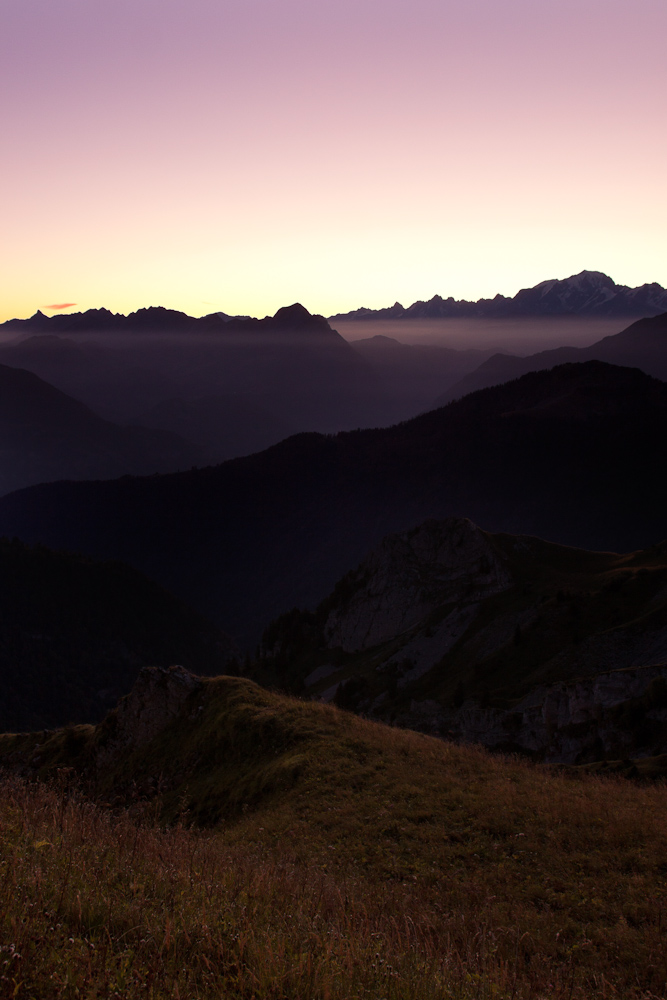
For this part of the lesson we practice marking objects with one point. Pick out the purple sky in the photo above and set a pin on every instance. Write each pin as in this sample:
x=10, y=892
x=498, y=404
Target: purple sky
x=242, y=155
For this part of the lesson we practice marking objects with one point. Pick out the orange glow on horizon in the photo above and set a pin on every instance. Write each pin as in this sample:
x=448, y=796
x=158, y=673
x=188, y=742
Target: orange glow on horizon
x=339, y=155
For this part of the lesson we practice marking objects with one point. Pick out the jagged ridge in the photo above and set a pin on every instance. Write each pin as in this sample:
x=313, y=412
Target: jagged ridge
x=589, y=293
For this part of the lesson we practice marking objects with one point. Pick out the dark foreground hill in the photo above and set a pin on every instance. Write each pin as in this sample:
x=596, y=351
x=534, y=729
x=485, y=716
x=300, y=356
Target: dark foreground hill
x=642, y=345
x=573, y=455
x=503, y=640
x=47, y=435
x=75, y=632
x=349, y=859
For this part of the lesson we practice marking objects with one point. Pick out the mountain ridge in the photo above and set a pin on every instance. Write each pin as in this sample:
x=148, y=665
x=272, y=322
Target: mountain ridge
x=252, y=537
x=641, y=345
x=45, y=434
x=150, y=318
x=291, y=367
x=589, y=293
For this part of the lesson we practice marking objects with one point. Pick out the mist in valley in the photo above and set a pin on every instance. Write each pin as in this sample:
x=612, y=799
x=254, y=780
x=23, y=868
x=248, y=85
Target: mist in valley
x=159, y=391
x=520, y=335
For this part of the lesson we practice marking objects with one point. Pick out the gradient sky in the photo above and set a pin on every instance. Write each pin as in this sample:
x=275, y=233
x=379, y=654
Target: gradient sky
x=244, y=154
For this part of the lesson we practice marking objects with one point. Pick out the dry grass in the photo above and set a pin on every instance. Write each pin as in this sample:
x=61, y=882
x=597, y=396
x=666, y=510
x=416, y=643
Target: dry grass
x=395, y=866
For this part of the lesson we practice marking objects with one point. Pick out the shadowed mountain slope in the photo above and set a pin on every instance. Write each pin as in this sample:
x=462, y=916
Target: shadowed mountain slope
x=498, y=639
x=74, y=633
x=46, y=435
x=224, y=426
x=573, y=455
x=642, y=345
x=412, y=375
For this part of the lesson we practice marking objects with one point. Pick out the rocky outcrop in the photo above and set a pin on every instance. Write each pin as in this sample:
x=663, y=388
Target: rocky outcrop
x=157, y=697
x=411, y=574
x=508, y=641
x=616, y=714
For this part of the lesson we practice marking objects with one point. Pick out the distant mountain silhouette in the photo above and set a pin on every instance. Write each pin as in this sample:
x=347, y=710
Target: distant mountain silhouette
x=158, y=320
x=74, y=633
x=47, y=435
x=589, y=293
x=292, y=366
x=573, y=455
x=642, y=345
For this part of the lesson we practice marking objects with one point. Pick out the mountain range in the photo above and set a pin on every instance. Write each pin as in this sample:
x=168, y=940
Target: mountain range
x=230, y=387
x=200, y=398
x=572, y=455
x=239, y=385
x=589, y=293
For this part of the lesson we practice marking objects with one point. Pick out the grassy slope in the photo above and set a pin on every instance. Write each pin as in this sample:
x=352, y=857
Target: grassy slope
x=349, y=859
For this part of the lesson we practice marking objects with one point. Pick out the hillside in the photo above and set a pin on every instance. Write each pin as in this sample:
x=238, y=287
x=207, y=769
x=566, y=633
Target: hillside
x=47, y=435
x=572, y=455
x=349, y=859
x=642, y=345
x=75, y=632
x=503, y=640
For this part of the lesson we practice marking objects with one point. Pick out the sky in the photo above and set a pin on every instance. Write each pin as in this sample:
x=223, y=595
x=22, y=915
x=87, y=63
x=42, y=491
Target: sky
x=240, y=155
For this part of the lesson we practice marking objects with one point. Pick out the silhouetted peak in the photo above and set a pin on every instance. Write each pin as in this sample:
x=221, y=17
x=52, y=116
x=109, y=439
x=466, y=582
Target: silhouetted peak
x=159, y=314
x=295, y=315
x=297, y=318
x=101, y=313
x=588, y=293
x=597, y=278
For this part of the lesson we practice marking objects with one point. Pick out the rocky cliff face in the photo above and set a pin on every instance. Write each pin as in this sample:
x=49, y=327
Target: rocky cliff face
x=614, y=715
x=502, y=640
x=155, y=700
x=159, y=697
x=411, y=574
